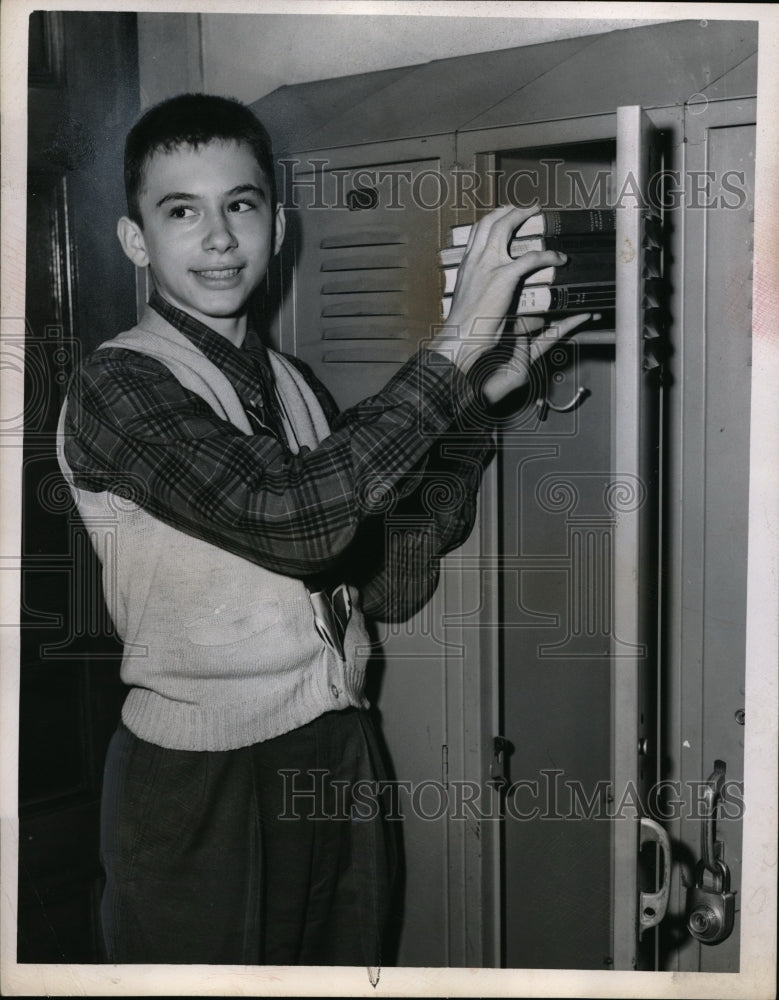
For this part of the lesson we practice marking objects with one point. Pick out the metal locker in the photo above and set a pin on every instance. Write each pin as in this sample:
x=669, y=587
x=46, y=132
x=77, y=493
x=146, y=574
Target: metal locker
x=559, y=629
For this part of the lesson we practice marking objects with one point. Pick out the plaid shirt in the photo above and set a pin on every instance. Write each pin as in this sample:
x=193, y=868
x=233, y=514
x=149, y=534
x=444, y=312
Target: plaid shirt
x=376, y=503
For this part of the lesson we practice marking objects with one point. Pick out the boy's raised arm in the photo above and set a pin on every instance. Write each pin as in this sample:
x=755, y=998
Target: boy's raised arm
x=131, y=426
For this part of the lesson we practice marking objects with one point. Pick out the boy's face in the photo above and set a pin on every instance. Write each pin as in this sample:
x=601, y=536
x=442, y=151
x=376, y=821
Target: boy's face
x=209, y=229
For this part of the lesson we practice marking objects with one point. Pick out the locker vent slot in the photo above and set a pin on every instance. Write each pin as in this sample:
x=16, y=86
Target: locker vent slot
x=374, y=330
x=362, y=238
x=369, y=355
x=381, y=304
x=361, y=260
x=368, y=297
x=370, y=282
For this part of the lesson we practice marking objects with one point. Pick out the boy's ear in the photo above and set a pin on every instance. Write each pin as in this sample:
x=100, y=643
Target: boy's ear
x=131, y=237
x=279, y=227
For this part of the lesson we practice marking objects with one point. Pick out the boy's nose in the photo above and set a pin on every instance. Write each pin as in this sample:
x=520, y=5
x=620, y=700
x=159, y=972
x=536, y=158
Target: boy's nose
x=219, y=236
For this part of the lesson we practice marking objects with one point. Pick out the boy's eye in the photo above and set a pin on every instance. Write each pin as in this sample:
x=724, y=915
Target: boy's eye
x=244, y=205
x=181, y=212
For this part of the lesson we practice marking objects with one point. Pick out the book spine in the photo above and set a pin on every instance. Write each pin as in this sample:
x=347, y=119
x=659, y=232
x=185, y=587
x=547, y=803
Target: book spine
x=562, y=222
x=581, y=268
x=572, y=243
x=538, y=299
x=551, y=224
x=565, y=298
x=460, y=234
x=450, y=279
x=577, y=243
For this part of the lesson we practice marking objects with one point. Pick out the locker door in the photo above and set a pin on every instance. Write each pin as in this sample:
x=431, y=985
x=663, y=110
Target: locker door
x=709, y=463
x=578, y=570
x=634, y=644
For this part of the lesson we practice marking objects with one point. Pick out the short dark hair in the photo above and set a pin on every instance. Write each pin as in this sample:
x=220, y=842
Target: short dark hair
x=192, y=120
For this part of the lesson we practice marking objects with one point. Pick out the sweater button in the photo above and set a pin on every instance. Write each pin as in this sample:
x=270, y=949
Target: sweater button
x=336, y=693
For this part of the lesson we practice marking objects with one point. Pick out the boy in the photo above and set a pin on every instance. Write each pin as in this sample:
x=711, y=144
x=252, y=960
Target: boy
x=235, y=513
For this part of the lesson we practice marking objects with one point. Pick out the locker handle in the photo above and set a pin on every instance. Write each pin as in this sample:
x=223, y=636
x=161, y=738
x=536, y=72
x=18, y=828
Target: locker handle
x=654, y=904
x=712, y=793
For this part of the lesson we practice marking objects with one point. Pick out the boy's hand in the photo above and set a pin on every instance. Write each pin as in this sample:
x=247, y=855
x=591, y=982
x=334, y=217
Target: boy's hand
x=486, y=282
x=514, y=370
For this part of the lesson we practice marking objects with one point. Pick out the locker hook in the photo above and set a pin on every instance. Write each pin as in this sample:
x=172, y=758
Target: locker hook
x=544, y=405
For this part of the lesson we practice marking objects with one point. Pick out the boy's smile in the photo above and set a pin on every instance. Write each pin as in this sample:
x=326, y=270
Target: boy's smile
x=209, y=231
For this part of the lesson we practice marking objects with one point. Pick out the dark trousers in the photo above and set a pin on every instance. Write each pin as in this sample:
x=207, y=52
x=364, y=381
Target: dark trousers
x=273, y=854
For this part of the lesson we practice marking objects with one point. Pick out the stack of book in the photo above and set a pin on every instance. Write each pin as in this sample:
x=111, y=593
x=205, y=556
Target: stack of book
x=586, y=282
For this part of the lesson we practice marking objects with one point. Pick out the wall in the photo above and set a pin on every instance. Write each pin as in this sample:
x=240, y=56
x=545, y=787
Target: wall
x=249, y=55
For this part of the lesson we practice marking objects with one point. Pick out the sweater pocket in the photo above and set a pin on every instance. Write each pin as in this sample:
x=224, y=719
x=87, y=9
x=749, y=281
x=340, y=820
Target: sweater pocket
x=226, y=625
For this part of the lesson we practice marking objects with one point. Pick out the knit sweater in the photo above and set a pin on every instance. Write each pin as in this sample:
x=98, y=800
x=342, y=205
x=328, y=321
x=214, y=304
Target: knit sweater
x=218, y=652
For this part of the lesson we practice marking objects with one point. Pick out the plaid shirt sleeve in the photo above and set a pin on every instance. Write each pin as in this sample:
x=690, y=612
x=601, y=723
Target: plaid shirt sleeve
x=131, y=427
x=406, y=543
x=409, y=541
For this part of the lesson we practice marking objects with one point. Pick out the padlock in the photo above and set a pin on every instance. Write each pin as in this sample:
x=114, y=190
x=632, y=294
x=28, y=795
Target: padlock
x=711, y=909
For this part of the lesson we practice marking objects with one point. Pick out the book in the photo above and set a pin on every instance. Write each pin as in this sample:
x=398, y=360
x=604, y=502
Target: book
x=580, y=268
x=566, y=298
x=555, y=222
x=557, y=298
x=572, y=243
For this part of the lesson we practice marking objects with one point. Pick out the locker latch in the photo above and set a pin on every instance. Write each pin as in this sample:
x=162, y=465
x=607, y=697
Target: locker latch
x=711, y=906
x=501, y=748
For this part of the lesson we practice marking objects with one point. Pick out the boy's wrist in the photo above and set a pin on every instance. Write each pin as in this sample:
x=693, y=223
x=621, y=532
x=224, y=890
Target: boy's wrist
x=451, y=383
x=459, y=352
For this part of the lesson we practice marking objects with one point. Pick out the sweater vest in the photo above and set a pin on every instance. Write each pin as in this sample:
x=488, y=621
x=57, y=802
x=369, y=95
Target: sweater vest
x=218, y=652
